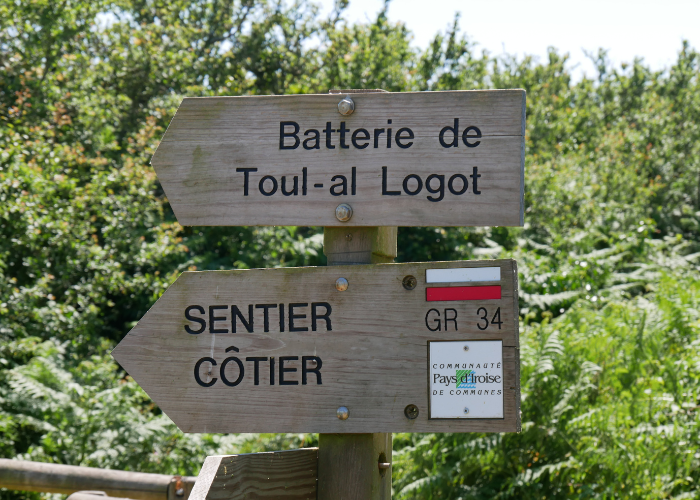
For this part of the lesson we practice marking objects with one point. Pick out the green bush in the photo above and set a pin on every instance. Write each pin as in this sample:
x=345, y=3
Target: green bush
x=610, y=409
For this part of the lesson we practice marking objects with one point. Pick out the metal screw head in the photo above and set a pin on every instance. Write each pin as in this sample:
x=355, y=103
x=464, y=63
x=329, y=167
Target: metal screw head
x=341, y=284
x=343, y=212
x=343, y=413
x=348, y=237
x=179, y=486
x=466, y=347
x=383, y=464
x=409, y=282
x=466, y=410
x=411, y=412
x=346, y=106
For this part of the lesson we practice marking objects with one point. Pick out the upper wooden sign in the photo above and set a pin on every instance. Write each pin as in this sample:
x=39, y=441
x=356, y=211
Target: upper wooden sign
x=400, y=159
x=419, y=347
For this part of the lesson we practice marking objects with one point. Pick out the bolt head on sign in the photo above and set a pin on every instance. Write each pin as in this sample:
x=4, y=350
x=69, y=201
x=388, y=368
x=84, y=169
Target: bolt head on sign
x=453, y=158
x=289, y=350
x=346, y=106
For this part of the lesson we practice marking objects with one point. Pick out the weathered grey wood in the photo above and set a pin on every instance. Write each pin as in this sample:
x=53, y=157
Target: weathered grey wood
x=354, y=91
x=516, y=350
x=209, y=138
x=58, y=478
x=359, y=245
x=348, y=467
x=348, y=463
x=283, y=475
x=93, y=495
x=374, y=358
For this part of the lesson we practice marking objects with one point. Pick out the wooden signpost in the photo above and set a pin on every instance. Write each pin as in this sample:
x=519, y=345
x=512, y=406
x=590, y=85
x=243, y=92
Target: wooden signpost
x=399, y=159
x=289, y=475
x=419, y=347
x=351, y=352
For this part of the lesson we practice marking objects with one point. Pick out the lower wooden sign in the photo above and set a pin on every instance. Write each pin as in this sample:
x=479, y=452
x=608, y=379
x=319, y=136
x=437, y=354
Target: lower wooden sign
x=278, y=475
x=418, y=347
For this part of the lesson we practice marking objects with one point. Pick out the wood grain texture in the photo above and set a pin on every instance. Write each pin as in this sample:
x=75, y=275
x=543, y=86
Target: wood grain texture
x=24, y=475
x=516, y=353
x=374, y=358
x=283, y=475
x=359, y=245
x=348, y=463
x=209, y=138
x=348, y=467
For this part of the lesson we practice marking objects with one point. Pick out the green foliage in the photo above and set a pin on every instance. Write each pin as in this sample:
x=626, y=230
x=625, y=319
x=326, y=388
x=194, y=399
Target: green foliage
x=368, y=56
x=84, y=412
x=610, y=400
x=607, y=258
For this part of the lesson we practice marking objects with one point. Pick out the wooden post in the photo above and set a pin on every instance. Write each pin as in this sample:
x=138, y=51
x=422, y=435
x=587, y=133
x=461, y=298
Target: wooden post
x=348, y=464
x=359, y=245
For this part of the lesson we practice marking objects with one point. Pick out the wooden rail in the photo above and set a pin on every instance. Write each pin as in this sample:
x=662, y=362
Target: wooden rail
x=56, y=478
x=93, y=495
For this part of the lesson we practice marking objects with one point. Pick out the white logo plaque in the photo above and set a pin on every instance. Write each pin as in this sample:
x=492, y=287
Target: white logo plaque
x=466, y=379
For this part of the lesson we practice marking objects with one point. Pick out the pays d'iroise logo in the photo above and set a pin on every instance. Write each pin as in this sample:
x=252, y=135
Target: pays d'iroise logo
x=464, y=381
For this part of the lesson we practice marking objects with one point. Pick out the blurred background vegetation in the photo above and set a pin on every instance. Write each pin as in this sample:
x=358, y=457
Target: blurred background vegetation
x=610, y=301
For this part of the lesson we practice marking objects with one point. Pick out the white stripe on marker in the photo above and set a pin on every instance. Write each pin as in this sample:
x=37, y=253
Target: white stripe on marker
x=462, y=274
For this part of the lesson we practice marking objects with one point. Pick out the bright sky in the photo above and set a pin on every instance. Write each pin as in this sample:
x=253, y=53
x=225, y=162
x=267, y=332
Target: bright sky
x=650, y=29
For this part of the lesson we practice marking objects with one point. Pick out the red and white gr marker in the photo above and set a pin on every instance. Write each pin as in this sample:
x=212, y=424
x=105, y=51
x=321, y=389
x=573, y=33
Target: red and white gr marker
x=462, y=275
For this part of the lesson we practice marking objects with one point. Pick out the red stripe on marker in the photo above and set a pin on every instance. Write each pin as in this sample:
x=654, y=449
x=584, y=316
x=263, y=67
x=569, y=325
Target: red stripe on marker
x=434, y=294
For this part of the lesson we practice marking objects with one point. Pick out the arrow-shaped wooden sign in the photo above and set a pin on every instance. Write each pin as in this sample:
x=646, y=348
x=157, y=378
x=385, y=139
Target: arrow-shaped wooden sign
x=419, y=347
x=397, y=159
